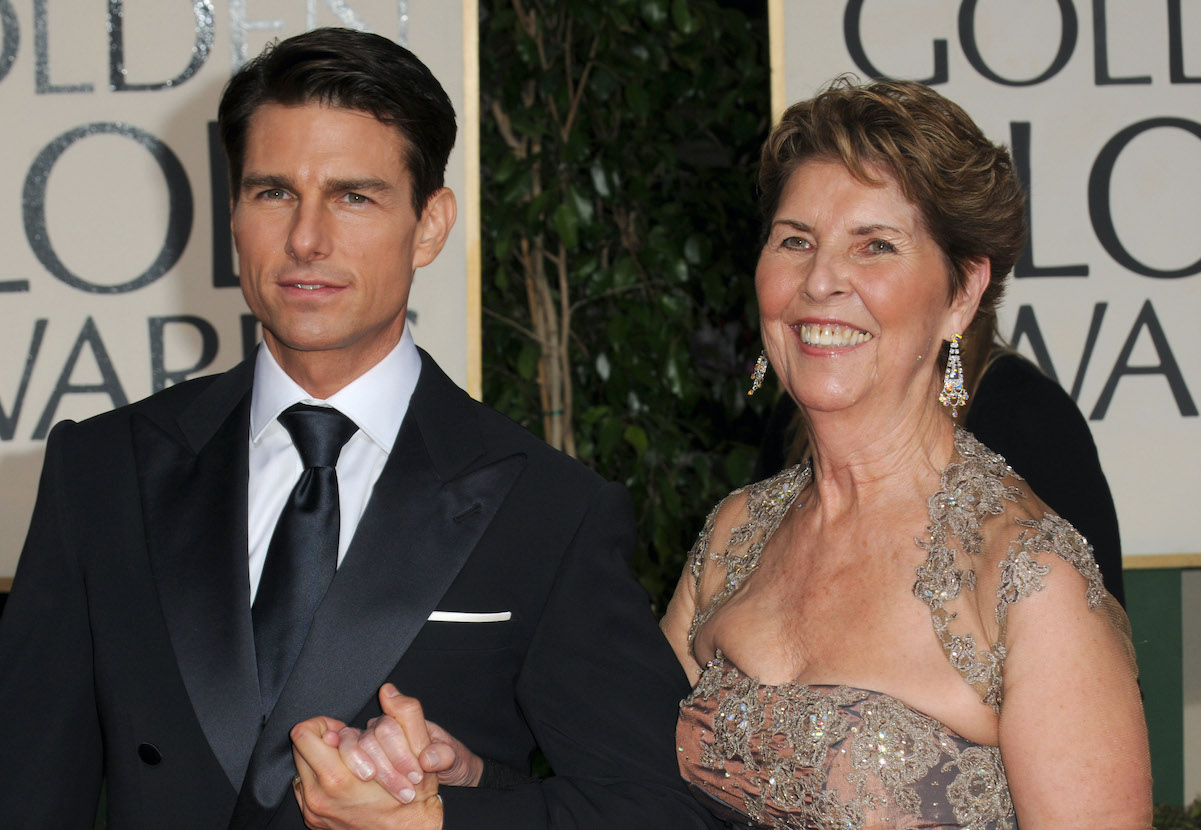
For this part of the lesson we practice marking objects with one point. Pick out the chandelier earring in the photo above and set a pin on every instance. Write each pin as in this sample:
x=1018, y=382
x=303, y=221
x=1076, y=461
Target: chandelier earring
x=758, y=373
x=953, y=394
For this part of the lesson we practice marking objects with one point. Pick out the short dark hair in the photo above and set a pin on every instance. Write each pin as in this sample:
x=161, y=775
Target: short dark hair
x=964, y=186
x=351, y=70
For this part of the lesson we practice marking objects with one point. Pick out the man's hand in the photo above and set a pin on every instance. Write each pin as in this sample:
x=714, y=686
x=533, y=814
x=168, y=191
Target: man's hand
x=401, y=747
x=331, y=798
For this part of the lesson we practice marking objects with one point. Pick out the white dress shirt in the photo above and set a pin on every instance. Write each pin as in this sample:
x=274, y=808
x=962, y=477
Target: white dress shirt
x=376, y=401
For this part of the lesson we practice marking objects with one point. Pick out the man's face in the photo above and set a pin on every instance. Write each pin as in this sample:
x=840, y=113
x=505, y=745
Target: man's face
x=327, y=238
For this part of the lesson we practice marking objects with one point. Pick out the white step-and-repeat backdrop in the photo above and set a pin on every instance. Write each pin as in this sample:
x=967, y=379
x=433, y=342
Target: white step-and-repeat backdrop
x=117, y=276
x=1100, y=102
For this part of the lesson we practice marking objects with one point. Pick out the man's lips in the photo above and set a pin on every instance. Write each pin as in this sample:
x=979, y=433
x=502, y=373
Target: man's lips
x=309, y=286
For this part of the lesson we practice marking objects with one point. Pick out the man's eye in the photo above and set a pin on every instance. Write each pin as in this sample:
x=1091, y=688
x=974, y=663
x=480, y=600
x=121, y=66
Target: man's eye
x=274, y=193
x=357, y=198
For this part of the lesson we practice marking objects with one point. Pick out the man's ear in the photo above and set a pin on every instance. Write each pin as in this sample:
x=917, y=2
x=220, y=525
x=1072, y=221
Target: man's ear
x=434, y=226
x=977, y=275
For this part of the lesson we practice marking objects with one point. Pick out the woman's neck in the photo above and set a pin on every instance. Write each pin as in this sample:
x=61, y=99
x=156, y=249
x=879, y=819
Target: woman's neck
x=860, y=460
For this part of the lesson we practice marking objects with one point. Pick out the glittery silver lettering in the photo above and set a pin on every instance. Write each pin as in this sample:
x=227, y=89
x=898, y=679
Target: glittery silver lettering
x=341, y=9
x=179, y=216
x=11, y=37
x=110, y=384
x=239, y=25
x=8, y=421
x=160, y=376
x=41, y=45
x=202, y=10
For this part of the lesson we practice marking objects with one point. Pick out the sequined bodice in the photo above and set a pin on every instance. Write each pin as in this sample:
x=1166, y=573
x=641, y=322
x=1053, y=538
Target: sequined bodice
x=793, y=756
x=797, y=756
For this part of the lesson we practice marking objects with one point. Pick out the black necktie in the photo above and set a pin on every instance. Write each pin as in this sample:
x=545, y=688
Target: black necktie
x=303, y=553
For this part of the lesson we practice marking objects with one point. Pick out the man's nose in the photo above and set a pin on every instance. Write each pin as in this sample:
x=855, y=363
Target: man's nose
x=309, y=237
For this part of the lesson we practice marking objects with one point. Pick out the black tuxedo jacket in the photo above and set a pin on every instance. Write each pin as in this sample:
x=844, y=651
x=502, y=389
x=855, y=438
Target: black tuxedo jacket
x=126, y=651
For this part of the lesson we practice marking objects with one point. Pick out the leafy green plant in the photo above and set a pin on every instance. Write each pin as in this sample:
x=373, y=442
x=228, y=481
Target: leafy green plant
x=619, y=147
x=1175, y=817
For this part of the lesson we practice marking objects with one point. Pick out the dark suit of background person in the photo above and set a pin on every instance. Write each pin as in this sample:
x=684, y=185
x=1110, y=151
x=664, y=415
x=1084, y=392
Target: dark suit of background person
x=127, y=651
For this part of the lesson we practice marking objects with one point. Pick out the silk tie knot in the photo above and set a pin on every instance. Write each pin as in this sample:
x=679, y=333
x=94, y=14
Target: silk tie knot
x=318, y=433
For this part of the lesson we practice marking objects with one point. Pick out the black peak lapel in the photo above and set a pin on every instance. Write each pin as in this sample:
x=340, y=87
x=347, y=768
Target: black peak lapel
x=193, y=477
x=428, y=510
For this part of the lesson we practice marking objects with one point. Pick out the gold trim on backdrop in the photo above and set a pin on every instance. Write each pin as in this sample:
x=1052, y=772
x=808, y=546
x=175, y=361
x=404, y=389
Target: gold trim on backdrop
x=776, y=50
x=1151, y=561
x=6, y=584
x=471, y=136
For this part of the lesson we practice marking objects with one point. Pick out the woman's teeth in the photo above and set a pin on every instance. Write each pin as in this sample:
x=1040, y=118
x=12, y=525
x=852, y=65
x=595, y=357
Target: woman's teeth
x=814, y=334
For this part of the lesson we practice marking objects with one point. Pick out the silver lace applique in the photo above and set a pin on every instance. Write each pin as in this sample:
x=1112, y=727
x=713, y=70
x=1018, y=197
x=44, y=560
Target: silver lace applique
x=980, y=791
x=973, y=488
x=766, y=504
x=800, y=757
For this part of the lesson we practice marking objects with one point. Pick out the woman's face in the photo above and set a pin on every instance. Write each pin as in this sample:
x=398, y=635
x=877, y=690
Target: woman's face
x=853, y=294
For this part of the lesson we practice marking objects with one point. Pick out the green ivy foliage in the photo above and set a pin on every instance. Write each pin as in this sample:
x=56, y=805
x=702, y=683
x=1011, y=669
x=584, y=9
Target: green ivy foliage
x=1175, y=817
x=619, y=148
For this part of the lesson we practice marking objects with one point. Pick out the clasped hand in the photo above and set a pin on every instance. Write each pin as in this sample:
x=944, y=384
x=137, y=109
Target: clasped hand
x=385, y=776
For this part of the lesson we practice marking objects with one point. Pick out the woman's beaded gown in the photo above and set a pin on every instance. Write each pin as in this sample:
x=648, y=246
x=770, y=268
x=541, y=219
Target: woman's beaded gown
x=795, y=756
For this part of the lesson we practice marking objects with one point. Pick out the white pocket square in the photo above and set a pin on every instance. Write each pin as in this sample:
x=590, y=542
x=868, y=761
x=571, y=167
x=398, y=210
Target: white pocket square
x=470, y=616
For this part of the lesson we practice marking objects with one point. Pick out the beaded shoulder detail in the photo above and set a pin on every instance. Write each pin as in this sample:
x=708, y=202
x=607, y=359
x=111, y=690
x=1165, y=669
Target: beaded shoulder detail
x=767, y=502
x=974, y=488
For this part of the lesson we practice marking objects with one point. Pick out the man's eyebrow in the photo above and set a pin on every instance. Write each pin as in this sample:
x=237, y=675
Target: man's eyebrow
x=271, y=181
x=368, y=185
x=264, y=181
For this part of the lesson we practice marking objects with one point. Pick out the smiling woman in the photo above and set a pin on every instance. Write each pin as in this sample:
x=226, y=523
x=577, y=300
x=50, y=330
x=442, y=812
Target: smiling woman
x=846, y=676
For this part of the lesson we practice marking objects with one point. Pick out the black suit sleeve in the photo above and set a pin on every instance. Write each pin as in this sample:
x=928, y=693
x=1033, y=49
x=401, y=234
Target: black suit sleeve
x=600, y=689
x=50, y=766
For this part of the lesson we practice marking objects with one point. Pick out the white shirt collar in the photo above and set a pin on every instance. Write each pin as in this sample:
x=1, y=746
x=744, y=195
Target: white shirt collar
x=376, y=401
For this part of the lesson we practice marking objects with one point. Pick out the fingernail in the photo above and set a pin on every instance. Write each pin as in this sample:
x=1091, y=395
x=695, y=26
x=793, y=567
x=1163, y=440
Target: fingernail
x=431, y=758
x=415, y=777
x=391, y=691
x=364, y=770
x=407, y=795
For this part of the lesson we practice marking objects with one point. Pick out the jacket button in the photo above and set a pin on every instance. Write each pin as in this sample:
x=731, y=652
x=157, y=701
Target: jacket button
x=149, y=754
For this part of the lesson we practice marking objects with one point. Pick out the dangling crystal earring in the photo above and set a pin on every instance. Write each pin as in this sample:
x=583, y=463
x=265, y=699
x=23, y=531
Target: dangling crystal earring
x=953, y=394
x=758, y=373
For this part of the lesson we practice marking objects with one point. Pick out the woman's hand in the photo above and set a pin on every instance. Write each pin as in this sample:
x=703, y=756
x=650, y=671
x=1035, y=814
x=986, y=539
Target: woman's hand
x=331, y=797
x=400, y=747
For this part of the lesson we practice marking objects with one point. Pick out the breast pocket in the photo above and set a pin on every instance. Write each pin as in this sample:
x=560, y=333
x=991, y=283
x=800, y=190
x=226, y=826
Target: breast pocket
x=464, y=633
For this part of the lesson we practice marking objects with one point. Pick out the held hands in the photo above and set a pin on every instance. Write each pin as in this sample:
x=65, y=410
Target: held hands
x=332, y=798
x=384, y=777
x=400, y=747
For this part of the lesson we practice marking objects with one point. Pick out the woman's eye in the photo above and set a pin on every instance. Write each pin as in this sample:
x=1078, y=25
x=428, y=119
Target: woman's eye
x=795, y=243
x=879, y=246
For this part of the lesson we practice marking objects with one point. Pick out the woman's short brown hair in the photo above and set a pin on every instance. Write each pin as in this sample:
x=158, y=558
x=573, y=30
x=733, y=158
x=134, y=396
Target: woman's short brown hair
x=963, y=185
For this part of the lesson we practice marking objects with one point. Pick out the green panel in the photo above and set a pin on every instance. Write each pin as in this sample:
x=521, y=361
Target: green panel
x=1153, y=602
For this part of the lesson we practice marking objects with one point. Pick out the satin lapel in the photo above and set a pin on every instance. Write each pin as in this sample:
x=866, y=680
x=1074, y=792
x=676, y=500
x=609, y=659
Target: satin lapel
x=425, y=516
x=193, y=479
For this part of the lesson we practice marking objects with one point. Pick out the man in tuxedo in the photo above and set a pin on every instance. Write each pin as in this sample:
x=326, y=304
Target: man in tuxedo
x=236, y=555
